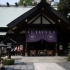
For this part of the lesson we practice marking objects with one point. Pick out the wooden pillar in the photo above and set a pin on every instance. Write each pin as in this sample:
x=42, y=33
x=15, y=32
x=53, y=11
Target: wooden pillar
x=56, y=50
x=26, y=54
x=0, y=52
x=9, y=53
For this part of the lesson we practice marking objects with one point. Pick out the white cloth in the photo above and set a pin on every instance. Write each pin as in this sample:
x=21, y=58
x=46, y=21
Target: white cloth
x=60, y=47
x=15, y=49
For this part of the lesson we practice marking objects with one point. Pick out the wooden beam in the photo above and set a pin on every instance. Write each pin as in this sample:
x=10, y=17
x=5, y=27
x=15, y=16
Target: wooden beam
x=54, y=17
x=35, y=18
x=41, y=19
x=47, y=19
x=4, y=29
x=23, y=23
x=61, y=24
x=40, y=26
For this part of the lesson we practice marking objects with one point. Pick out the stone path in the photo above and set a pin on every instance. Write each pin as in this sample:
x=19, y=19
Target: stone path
x=65, y=65
x=48, y=66
x=22, y=66
x=39, y=66
x=39, y=63
x=40, y=58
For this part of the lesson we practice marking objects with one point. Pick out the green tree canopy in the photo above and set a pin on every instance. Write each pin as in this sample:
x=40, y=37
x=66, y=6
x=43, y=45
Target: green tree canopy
x=28, y=2
x=62, y=7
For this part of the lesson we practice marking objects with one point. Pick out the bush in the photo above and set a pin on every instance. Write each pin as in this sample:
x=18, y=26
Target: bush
x=8, y=61
x=2, y=55
x=68, y=57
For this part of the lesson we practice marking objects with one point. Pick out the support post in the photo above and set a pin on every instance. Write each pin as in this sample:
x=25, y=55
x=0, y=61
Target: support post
x=0, y=52
x=26, y=54
x=9, y=53
x=56, y=50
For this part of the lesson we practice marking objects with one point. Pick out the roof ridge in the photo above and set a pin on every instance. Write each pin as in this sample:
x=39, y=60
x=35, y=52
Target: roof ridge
x=15, y=6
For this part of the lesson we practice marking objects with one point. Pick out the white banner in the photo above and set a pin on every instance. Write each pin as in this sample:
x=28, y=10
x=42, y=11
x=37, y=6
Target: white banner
x=21, y=47
x=60, y=47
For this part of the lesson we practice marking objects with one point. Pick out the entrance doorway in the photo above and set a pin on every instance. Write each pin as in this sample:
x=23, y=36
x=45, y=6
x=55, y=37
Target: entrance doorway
x=41, y=48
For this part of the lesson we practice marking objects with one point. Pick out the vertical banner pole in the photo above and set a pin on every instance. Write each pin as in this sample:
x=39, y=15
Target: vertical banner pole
x=56, y=50
x=26, y=54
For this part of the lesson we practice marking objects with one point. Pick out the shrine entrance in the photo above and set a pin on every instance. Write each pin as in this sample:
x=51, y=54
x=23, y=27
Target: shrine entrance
x=41, y=48
x=41, y=42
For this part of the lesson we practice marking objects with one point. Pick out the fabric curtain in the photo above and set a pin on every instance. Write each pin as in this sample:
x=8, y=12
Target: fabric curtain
x=36, y=35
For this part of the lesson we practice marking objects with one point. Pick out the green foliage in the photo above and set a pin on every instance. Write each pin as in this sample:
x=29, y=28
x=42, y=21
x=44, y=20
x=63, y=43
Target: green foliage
x=28, y=2
x=68, y=57
x=61, y=7
x=2, y=55
x=69, y=46
x=8, y=61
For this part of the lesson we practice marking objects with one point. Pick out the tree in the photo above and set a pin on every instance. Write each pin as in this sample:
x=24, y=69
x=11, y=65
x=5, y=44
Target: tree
x=62, y=7
x=27, y=2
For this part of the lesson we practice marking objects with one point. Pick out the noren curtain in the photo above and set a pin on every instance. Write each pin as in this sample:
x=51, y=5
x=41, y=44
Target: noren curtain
x=36, y=35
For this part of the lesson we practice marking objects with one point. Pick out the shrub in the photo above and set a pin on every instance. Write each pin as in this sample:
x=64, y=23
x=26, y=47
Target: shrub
x=2, y=54
x=68, y=57
x=8, y=61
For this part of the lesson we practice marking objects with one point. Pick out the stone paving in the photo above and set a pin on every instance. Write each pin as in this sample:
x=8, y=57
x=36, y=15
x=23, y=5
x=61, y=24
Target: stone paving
x=20, y=66
x=65, y=65
x=40, y=58
x=48, y=66
x=39, y=63
x=39, y=66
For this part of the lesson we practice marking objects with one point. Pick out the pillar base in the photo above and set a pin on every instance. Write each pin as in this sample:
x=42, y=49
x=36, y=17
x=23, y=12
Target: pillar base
x=8, y=57
x=26, y=54
x=56, y=54
x=9, y=53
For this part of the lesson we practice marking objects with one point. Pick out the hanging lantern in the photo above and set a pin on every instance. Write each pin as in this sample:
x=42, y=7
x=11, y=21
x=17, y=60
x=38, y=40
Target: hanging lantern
x=21, y=47
x=60, y=47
